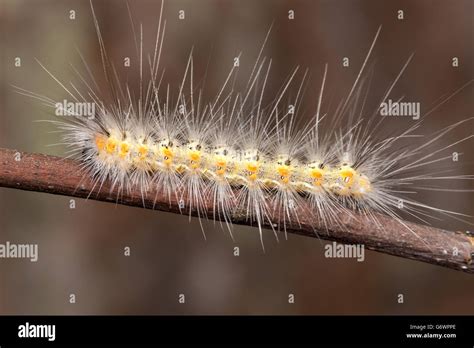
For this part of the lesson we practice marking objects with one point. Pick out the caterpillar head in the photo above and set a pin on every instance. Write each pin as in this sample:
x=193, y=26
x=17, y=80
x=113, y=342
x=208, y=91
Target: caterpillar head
x=349, y=182
x=362, y=187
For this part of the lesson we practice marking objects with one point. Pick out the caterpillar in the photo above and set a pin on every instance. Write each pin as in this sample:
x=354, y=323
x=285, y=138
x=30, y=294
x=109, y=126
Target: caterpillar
x=243, y=154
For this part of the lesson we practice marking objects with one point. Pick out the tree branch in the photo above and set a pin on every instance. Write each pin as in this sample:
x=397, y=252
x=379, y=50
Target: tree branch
x=455, y=250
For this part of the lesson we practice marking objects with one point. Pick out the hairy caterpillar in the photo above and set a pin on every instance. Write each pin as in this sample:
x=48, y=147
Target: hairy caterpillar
x=241, y=153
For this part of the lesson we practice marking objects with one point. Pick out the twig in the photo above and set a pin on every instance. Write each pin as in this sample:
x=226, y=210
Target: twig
x=455, y=250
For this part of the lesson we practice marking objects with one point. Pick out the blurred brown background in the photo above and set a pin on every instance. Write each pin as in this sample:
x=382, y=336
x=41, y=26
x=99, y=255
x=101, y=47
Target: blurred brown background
x=81, y=250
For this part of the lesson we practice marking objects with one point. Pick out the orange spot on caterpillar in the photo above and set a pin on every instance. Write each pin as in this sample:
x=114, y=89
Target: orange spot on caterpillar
x=111, y=146
x=195, y=156
x=124, y=149
x=252, y=167
x=317, y=175
x=167, y=152
x=347, y=173
x=283, y=171
x=100, y=142
x=221, y=163
x=142, y=151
